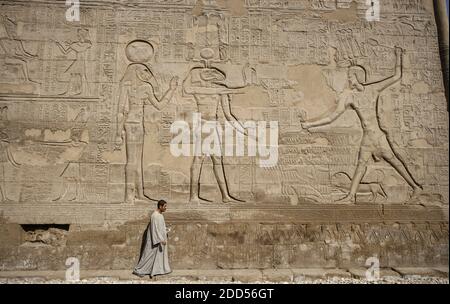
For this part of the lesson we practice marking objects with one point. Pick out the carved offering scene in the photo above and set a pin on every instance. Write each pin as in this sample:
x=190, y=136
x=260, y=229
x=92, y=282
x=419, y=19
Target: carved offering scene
x=305, y=127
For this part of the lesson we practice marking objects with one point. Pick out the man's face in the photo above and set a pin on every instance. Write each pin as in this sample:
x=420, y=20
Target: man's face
x=163, y=208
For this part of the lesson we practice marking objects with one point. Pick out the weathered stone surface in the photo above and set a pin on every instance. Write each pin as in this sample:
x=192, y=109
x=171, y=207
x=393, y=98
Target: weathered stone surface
x=297, y=247
x=247, y=275
x=318, y=273
x=10, y=234
x=443, y=271
x=97, y=238
x=183, y=274
x=415, y=271
x=277, y=275
x=215, y=275
x=43, y=275
x=353, y=113
x=360, y=273
x=386, y=272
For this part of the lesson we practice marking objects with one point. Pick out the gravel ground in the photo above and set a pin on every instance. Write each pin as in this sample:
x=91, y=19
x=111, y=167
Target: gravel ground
x=386, y=280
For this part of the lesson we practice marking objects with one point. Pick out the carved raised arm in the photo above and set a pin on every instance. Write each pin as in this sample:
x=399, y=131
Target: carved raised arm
x=160, y=103
x=385, y=83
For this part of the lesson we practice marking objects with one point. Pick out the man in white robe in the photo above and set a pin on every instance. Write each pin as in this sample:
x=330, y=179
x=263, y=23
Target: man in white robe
x=154, y=258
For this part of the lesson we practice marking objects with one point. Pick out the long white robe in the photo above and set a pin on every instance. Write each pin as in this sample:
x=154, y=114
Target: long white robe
x=154, y=259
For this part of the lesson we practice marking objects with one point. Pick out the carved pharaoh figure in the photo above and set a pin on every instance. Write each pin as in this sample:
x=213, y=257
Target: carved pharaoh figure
x=363, y=98
x=138, y=87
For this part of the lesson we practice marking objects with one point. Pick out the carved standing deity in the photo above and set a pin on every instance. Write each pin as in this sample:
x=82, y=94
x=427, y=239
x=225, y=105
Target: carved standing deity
x=138, y=87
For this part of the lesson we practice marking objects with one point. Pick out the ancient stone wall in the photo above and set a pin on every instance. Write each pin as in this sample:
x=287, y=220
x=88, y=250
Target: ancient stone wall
x=350, y=158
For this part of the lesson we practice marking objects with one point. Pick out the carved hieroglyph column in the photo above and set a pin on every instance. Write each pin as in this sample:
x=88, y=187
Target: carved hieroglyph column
x=440, y=10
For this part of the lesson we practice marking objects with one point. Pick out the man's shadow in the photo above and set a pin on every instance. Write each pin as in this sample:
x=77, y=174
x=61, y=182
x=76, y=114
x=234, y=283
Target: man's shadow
x=144, y=242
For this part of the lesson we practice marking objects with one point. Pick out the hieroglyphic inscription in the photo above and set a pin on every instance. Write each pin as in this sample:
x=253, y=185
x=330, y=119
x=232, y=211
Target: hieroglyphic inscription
x=62, y=85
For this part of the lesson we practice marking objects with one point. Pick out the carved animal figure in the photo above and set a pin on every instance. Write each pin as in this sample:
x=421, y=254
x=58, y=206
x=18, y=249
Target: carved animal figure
x=343, y=181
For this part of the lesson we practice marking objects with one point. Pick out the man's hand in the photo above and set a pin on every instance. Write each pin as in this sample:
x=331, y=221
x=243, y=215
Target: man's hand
x=164, y=242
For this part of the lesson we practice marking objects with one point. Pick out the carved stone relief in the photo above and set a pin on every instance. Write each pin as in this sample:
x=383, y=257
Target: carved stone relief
x=93, y=97
x=86, y=108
